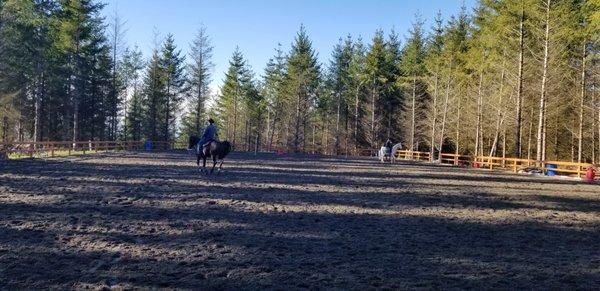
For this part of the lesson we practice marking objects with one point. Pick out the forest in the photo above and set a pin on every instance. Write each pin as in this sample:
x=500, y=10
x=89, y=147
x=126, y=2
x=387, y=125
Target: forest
x=512, y=78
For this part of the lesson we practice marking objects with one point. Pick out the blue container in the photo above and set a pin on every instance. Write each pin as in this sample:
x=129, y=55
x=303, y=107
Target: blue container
x=148, y=145
x=551, y=172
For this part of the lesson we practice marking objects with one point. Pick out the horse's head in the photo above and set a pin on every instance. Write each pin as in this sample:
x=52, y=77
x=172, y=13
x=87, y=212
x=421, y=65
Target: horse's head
x=193, y=141
x=227, y=147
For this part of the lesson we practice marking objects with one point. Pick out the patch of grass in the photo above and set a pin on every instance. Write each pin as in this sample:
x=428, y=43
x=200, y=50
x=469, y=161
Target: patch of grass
x=48, y=154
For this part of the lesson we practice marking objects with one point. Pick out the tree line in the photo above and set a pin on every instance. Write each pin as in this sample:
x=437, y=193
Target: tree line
x=510, y=78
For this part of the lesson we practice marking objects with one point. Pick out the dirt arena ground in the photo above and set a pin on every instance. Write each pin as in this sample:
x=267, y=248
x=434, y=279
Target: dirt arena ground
x=150, y=221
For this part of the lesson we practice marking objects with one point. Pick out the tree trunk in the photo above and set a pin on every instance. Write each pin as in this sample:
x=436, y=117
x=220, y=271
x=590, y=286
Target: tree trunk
x=479, y=108
x=272, y=132
x=499, y=119
x=356, y=119
x=445, y=113
x=388, y=133
x=4, y=129
x=520, y=86
x=458, y=126
x=167, y=111
x=235, y=105
x=504, y=144
x=374, y=108
x=581, y=105
x=413, y=120
x=530, y=136
x=337, y=124
x=346, y=131
x=541, y=137
x=297, y=124
x=593, y=129
x=37, y=124
x=434, y=119
x=199, y=106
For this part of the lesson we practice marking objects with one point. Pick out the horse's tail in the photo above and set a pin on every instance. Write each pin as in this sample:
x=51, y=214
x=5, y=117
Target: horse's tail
x=192, y=141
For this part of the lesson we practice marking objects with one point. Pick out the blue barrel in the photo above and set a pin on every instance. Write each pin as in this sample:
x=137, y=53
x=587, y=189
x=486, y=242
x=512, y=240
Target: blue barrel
x=551, y=172
x=148, y=145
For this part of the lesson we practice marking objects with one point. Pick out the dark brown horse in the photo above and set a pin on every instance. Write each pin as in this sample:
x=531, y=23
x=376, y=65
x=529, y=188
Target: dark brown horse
x=215, y=149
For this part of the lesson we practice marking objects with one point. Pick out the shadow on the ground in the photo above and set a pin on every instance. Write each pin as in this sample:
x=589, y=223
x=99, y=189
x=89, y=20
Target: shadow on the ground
x=147, y=225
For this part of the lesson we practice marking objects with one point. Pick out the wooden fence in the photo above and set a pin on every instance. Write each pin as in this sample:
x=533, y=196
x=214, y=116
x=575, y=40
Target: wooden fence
x=68, y=148
x=511, y=164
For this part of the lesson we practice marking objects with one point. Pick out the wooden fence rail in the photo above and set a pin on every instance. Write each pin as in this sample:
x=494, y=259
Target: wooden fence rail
x=512, y=164
x=62, y=148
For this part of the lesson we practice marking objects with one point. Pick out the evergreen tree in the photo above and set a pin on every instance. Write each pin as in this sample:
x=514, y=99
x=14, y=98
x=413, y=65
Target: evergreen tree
x=376, y=79
x=412, y=69
x=154, y=94
x=392, y=97
x=132, y=66
x=233, y=93
x=276, y=100
x=172, y=64
x=118, y=88
x=199, y=79
x=81, y=37
x=356, y=71
x=338, y=81
x=303, y=78
x=433, y=64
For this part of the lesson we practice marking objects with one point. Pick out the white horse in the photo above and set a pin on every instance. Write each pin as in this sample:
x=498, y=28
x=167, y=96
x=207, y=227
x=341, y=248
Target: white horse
x=395, y=150
x=384, y=152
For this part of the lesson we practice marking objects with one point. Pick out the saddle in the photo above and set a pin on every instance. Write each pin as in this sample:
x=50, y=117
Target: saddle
x=202, y=147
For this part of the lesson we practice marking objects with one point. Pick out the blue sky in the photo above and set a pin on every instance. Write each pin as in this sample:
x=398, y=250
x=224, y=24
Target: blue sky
x=257, y=26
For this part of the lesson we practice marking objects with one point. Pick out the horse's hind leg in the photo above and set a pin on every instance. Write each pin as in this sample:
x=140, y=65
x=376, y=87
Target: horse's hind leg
x=221, y=166
x=204, y=165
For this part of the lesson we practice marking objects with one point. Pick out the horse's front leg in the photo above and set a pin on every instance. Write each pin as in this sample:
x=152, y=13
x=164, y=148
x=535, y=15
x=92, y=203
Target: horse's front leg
x=214, y=163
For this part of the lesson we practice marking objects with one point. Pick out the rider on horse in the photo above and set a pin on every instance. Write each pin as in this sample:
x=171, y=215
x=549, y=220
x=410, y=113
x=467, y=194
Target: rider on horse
x=210, y=134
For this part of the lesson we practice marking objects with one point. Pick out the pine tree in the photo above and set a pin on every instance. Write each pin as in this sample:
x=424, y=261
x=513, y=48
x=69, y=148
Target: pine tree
x=356, y=71
x=117, y=87
x=303, y=79
x=392, y=97
x=338, y=82
x=376, y=80
x=433, y=63
x=412, y=68
x=154, y=93
x=80, y=36
x=233, y=93
x=26, y=45
x=172, y=63
x=276, y=100
x=133, y=64
x=200, y=70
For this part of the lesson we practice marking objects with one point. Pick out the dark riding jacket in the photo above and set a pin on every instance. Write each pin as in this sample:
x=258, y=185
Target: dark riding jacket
x=209, y=133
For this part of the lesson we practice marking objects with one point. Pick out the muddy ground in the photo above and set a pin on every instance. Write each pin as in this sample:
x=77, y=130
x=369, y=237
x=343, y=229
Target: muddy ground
x=149, y=220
